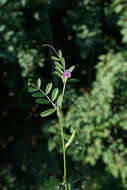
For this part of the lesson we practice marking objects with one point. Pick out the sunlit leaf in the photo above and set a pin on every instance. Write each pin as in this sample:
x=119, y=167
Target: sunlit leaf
x=29, y=82
x=47, y=112
x=38, y=83
x=63, y=62
x=58, y=65
x=60, y=54
x=59, y=70
x=55, y=58
x=58, y=74
x=48, y=88
x=71, y=68
x=70, y=139
x=55, y=94
x=59, y=100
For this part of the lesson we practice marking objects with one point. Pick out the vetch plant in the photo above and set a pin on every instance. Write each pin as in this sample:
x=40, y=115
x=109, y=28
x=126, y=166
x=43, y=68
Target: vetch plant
x=54, y=97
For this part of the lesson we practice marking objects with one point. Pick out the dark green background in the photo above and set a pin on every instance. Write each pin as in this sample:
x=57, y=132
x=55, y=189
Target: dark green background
x=92, y=35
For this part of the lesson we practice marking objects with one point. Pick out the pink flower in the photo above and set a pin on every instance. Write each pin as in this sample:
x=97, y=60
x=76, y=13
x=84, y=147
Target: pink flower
x=67, y=74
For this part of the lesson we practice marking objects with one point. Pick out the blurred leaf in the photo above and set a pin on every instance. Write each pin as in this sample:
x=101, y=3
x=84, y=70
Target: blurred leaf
x=73, y=80
x=70, y=139
x=52, y=184
x=39, y=83
x=59, y=70
x=42, y=101
x=63, y=61
x=38, y=95
x=55, y=94
x=47, y=112
x=59, y=100
x=29, y=82
x=78, y=145
x=55, y=58
x=60, y=54
x=31, y=89
x=71, y=68
x=58, y=74
x=48, y=88
x=58, y=65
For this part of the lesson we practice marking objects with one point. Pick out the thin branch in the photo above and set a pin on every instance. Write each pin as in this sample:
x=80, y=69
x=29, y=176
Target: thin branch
x=48, y=45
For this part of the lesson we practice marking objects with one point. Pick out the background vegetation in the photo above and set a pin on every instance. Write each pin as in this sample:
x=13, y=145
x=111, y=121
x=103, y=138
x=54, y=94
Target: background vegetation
x=93, y=36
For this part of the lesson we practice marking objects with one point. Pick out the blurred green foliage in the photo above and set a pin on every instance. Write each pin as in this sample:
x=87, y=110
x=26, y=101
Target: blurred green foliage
x=101, y=119
x=93, y=36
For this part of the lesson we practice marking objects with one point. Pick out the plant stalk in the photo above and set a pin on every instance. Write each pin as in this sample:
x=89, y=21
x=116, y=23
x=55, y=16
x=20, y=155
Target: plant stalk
x=59, y=113
x=64, y=151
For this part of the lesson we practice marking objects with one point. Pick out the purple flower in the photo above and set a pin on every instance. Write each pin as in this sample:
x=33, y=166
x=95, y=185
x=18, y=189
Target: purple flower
x=67, y=74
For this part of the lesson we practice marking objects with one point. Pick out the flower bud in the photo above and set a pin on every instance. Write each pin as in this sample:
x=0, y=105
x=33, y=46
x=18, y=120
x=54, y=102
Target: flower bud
x=67, y=74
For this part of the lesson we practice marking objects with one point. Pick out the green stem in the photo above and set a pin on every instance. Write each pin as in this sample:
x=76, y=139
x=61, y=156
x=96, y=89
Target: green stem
x=64, y=151
x=48, y=45
x=63, y=142
x=63, y=89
